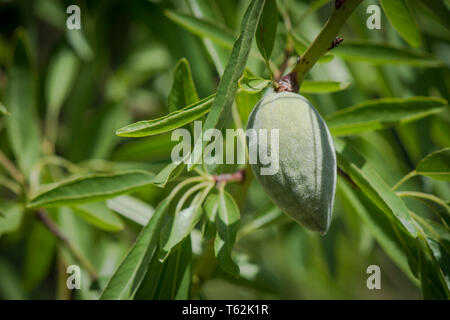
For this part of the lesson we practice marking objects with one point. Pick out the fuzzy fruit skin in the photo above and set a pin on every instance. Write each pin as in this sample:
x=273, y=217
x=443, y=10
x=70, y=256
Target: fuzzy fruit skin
x=305, y=184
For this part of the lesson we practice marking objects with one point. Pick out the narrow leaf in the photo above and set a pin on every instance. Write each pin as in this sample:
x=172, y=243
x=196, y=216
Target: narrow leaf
x=227, y=226
x=374, y=187
x=169, y=171
x=22, y=126
x=3, y=110
x=401, y=17
x=169, y=122
x=91, y=188
x=253, y=84
x=226, y=91
x=126, y=280
x=131, y=208
x=267, y=29
x=183, y=92
x=436, y=165
x=313, y=87
x=177, y=276
x=98, y=214
x=182, y=225
x=202, y=28
x=378, y=53
x=61, y=74
x=10, y=217
x=381, y=113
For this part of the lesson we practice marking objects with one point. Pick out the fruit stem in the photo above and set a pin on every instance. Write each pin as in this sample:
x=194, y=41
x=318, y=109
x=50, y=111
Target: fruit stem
x=324, y=41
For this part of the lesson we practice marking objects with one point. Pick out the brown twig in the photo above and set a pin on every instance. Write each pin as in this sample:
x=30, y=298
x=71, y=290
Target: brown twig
x=238, y=176
x=12, y=170
x=42, y=215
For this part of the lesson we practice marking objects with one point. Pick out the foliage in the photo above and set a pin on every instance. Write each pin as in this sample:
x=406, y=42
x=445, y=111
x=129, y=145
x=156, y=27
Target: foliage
x=75, y=189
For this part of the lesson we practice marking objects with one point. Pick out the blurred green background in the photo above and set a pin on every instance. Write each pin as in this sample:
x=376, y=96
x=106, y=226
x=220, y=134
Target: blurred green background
x=118, y=69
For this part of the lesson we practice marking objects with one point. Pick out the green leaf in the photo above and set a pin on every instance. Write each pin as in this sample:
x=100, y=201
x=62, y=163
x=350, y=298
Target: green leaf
x=218, y=54
x=169, y=171
x=377, y=223
x=91, y=188
x=374, y=187
x=226, y=91
x=300, y=46
x=10, y=217
x=175, y=281
x=381, y=113
x=439, y=9
x=169, y=122
x=98, y=214
x=434, y=285
x=22, y=126
x=183, y=92
x=126, y=280
x=40, y=250
x=202, y=28
x=312, y=87
x=400, y=16
x=210, y=206
x=60, y=77
x=180, y=227
x=3, y=110
x=227, y=226
x=253, y=85
x=267, y=29
x=131, y=208
x=436, y=165
x=77, y=39
x=378, y=53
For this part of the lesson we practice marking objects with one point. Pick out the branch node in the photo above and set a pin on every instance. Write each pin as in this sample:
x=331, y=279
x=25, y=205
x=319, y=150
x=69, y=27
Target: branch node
x=238, y=176
x=288, y=83
x=337, y=41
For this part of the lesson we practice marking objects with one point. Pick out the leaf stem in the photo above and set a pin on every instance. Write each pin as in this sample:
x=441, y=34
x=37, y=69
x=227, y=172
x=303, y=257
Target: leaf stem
x=404, y=179
x=425, y=196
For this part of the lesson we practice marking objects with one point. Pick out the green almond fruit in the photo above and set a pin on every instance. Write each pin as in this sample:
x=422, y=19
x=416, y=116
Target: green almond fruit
x=305, y=182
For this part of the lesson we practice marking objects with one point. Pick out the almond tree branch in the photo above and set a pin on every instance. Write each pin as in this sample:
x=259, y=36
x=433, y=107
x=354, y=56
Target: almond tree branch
x=323, y=42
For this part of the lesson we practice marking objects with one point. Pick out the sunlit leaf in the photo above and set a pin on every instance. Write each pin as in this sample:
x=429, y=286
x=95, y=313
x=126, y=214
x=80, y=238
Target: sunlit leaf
x=401, y=17
x=169, y=122
x=131, y=208
x=312, y=87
